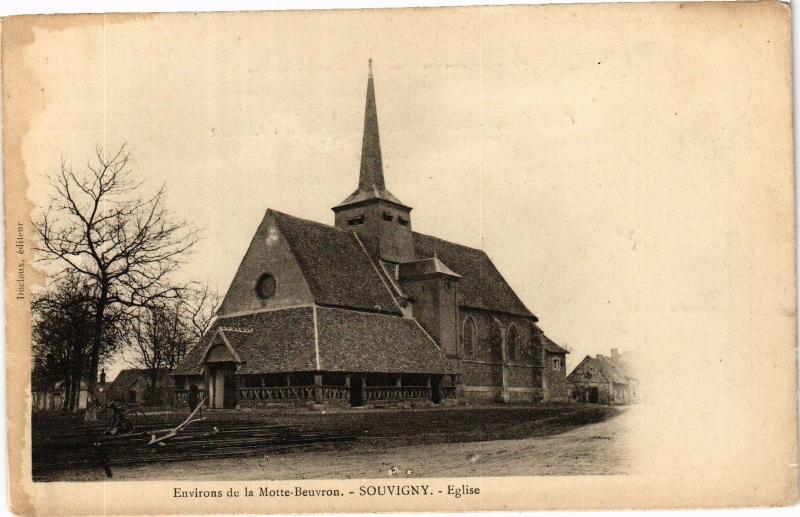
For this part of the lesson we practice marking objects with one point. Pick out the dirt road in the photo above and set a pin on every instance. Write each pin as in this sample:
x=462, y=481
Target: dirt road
x=592, y=449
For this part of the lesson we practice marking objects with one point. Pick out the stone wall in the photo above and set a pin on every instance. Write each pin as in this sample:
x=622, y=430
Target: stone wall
x=520, y=376
x=556, y=380
x=495, y=370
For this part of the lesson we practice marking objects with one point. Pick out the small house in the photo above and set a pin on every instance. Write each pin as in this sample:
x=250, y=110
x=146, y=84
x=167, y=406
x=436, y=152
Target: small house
x=134, y=386
x=603, y=379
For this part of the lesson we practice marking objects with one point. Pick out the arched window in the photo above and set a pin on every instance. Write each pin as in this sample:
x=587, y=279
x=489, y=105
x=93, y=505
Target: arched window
x=513, y=343
x=494, y=341
x=469, y=334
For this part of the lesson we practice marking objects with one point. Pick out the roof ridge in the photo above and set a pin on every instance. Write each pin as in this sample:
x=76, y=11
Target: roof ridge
x=377, y=271
x=290, y=216
x=613, y=364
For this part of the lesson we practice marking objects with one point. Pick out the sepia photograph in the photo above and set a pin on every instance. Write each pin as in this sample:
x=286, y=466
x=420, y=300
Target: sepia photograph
x=386, y=336
x=359, y=257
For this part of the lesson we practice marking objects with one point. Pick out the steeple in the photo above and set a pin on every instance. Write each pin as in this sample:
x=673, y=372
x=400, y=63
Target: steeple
x=371, y=184
x=371, y=176
x=381, y=221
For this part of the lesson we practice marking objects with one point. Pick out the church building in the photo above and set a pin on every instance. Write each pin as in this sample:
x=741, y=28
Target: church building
x=368, y=312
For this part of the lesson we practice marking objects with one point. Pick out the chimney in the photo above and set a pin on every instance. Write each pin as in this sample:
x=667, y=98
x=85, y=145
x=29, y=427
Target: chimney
x=615, y=354
x=103, y=376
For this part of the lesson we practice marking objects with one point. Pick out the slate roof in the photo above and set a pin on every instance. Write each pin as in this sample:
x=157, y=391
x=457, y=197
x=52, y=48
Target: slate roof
x=481, y=285
x=284, y=341
x=360, y=342
x=552, y=347
x=129, y=376
x=364, y=196
x=280, y=341
x=425, y=268
x=340, y=273
x=335, y=265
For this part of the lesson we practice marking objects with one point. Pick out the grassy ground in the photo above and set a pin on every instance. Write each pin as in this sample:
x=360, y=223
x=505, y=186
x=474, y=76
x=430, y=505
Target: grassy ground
x=495, y=440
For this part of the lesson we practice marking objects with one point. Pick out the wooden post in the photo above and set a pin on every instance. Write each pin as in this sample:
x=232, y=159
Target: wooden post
x=504, y=394
x=428, y=385
x=364, y=388
x=288, y=379
x=318, y=388
x=398, y=381
x=457, y=380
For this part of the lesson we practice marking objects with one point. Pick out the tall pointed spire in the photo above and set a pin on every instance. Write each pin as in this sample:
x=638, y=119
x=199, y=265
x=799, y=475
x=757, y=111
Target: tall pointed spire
x=381, y=222
x=371, y=184
x=371, y=176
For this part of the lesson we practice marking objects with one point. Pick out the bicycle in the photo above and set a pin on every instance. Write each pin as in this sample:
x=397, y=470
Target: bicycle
x=125, y=421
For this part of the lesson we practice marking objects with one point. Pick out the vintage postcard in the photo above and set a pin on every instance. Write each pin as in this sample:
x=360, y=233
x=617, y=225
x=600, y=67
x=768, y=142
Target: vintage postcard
x=468, y=258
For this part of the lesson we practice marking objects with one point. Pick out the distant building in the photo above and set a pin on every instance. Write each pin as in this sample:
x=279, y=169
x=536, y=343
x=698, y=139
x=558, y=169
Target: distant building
x=368, y=312
x=605, y=380
x=50, y=396
x=133, y=386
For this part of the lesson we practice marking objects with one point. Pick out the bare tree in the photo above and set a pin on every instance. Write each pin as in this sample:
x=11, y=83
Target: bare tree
x=155, y=332
x=63, y=326
x=200, y=309
x=98, y=226
x=162, y=332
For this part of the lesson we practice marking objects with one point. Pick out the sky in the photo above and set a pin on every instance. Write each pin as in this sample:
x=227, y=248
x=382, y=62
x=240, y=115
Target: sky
x=605, y=193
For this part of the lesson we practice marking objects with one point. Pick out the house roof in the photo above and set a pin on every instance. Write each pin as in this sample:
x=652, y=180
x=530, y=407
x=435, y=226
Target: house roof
x=552, y=347
x=345, y=340
x=615, y=366
x=576, y=376
x=336, y=266
x=602, y=370
x=481, y=285
x=129, y=376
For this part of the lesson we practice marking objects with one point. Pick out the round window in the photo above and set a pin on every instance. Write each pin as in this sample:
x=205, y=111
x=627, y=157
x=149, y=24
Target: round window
x=265, y=286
